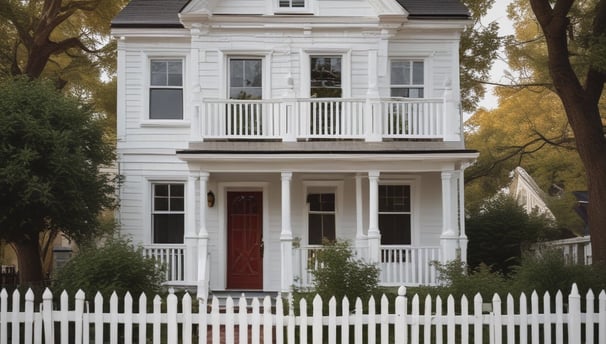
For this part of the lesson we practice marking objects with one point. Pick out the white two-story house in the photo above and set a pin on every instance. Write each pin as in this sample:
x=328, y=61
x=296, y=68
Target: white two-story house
x=250, y=131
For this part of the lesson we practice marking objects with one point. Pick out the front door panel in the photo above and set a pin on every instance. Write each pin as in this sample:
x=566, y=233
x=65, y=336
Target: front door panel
x=244, y=240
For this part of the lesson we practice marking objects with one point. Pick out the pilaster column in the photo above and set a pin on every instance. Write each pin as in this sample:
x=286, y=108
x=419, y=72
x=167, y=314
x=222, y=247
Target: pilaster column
x=361, y=238
x=374, y=235
x=190, y=238
x=449, y=238
x=286, y=235
x=462, y=235
x=203, y=240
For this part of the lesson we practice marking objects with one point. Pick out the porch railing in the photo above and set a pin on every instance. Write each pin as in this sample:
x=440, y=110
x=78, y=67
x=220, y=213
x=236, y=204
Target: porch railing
x=406, y=265
x=171, y=256
x=575, y=250
x=327, y=118
x=400, y=265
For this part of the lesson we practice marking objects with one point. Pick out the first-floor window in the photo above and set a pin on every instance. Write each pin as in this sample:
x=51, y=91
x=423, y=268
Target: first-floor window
x=321, y=217
x=395, y=214
x=168, y=213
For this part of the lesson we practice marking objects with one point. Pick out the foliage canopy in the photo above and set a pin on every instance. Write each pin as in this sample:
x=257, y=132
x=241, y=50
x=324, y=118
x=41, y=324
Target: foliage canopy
x=52, y=149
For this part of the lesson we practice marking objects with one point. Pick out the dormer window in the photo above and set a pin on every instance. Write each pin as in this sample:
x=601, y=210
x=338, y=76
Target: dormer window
x=292, y=6
x=291, y=3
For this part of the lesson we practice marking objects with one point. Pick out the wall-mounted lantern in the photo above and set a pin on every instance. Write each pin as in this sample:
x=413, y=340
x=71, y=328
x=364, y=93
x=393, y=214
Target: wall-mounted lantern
x=210, y=198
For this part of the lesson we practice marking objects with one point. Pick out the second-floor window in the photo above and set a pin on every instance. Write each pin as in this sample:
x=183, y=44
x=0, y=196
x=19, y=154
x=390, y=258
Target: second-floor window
x=407, y=78
x=326, y=77
x=166, y=89
x=395, y=214
x=168, y=213
x=245, y=78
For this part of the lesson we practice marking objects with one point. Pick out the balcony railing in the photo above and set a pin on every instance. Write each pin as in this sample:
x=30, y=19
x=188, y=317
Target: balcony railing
x=328, y=118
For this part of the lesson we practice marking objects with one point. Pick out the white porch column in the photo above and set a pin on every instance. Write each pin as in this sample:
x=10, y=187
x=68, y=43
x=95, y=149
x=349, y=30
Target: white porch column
x=190, y=238
x=203, y=240
x=462, y=236
x=374, y=235
x=449, y=237
x=286, y=235
x=361, y=238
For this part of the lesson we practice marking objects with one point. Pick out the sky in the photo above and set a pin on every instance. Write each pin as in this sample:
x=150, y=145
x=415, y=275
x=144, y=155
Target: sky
x=497, y=13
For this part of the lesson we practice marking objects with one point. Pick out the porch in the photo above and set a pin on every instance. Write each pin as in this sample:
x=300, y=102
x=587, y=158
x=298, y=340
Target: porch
x=290, y=120
x=399, y=265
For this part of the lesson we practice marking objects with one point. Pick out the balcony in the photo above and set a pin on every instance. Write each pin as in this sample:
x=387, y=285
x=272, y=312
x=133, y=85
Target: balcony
x=372, y=120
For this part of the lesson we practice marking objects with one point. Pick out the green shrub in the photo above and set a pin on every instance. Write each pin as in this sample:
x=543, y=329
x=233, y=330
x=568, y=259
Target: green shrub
x=501, y=230
x=549, y=271
x=340, y=274
x=115, y=266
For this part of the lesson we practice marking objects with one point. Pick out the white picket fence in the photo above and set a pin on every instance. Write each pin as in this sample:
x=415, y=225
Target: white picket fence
x=432, y=321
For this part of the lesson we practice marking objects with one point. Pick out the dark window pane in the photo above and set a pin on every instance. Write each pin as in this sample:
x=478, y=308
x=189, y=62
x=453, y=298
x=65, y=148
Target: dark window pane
x=245, y=79
x=165, y=103
x=321, y=202
x=176, y=190
x=161, y=190
x=161, y=204
x=326, y=76
x=394, y=198
x=298, y=3
x=177, y=204
x=417, y=73
x=168, y=228
x=315, y=229
x=395, y=229
x=321, y=227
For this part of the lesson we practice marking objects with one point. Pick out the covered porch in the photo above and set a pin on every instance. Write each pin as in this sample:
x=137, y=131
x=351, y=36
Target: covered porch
x=289, y=194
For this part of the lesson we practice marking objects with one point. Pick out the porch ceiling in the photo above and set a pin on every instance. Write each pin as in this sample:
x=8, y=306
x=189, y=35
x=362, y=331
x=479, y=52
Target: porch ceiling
x=341, y=156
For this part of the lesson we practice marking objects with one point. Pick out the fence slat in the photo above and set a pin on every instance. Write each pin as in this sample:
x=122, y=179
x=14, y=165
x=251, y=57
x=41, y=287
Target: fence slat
x=316, y=322
x=128, y=318
x=142, y=318
x=243, y=319
x=157, y=320
x=498, y=320
x=534, y=318
x=171, y=310
x=267, y=321
x=113, y=323
x=332, y=321
x=589, y=317
x=98, y=318
x=29, y=317
x=547, y=314
x=400, y=323
x=574, y=315
x=384, y=320
x=414, y=322
x=477, y=318
x=229, y=320
x=3, y=316
x=15, y=333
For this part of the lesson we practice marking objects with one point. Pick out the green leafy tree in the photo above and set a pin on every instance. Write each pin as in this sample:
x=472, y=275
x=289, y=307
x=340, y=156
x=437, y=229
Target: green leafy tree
x=52, y=148
x=478, y=50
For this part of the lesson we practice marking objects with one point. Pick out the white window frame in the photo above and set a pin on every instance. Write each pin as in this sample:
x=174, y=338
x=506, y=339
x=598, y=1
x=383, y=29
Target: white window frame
x=266, y=60
x=228, y=72
x=305, y=87
x=145, y=120
x=410, y=60
x=413, y=183
x=152, y=212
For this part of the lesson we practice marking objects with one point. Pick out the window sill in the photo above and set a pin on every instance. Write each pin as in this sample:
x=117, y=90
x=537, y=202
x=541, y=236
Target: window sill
x=166, y=123
x=287, y=11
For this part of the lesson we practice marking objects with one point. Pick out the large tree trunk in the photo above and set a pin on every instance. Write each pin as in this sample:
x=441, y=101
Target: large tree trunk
x=30, y=264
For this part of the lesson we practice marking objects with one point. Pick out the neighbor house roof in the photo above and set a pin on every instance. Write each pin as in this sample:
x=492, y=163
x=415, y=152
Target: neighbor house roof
x=164, y=13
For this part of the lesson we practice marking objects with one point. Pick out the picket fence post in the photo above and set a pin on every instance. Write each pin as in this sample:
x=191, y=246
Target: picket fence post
x=3, y=316
x=171, y=318
x=15, y=321
x=401, y=331
x=574, y=315
x=29, y=316
x=79, y=311
x=47, y=316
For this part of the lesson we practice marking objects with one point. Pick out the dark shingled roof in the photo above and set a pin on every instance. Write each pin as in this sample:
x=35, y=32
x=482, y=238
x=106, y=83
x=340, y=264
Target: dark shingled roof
x=434, y=8
x=164, y=13
x=150, y=13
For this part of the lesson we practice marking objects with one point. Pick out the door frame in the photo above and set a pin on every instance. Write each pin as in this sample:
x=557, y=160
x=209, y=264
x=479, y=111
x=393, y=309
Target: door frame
x=220, y=261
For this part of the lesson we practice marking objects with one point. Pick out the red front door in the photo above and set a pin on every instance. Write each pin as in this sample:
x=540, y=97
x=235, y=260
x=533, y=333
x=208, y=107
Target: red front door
x=244, y=240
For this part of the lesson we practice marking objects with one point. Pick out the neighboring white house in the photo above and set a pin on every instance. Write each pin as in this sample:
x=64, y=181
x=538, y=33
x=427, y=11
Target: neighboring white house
x=528, y=194
x=248, y=131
